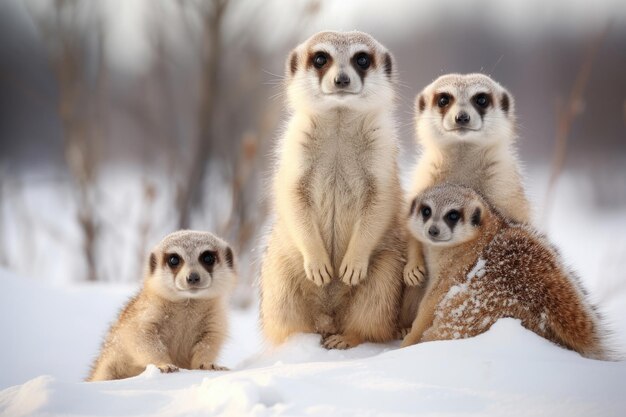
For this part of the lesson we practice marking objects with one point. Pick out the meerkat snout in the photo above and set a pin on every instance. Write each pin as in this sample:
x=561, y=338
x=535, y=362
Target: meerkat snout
x=462, y=118
x=342, y=80
x=193, y=278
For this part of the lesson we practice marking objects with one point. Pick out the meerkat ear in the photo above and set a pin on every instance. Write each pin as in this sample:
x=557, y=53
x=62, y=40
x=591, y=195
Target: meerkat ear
x=420, y=103
x=292, y=63
x=413, y=206
x=153, y=263
x=476, y=216
x=388, y=64
x=229, y=257
x=505, y=103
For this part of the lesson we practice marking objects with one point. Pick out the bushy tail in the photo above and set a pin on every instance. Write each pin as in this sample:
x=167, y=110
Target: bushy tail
x=575, y=323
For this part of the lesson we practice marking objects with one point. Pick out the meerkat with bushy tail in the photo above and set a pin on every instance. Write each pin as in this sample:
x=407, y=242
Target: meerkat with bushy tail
x=335, y=255
x=178, y=319
x=465, y=125
x=483, y=267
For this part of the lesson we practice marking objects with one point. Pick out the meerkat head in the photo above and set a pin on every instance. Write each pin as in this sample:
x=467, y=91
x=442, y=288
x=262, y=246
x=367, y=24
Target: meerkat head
x=447, y=215
x=470, y=108
x=331, y=70
x=190, y=264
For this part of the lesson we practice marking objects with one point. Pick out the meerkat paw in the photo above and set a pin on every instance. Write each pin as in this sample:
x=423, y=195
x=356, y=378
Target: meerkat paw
x=340, y=341
x=352, y=271
x=213, y=367
x=414, y=275
x=167, y=368
x=318, y=271
x=401, y=333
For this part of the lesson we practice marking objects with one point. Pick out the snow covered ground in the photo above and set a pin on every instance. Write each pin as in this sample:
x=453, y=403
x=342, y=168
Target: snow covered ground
x=52, y=331
x=506, y=371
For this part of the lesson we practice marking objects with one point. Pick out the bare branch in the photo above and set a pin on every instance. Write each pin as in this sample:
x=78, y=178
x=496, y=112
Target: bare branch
x=566, y=116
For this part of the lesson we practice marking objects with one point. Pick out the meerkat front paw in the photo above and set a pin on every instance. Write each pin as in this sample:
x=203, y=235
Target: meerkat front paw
x=401, y=333
x=320, y=271
x=167, y=368
x=213, y=367
x=414, y=274
x=340, y=341
x=352, y=270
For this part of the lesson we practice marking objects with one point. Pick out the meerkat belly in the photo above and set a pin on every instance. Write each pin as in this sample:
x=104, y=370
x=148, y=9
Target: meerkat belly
x=180, y=335
x=340, y=184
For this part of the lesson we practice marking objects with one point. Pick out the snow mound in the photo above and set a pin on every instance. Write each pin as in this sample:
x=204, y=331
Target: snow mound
x=506, y=371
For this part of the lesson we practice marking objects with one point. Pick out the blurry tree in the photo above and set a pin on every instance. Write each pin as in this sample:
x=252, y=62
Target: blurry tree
x=73, y=33
x=231, y=120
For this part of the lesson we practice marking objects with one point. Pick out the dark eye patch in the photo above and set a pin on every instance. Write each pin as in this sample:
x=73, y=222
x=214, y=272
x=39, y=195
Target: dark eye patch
x=452, y=218
x=443, y=101
x=208, y=259
x=481, y=102
x=174, y=261
x=361, y=62
x=320, y=61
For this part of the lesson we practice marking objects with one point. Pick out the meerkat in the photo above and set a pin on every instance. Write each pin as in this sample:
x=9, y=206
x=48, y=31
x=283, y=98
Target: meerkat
x=465, y=125
x=334, y=260
x=178, y=319
x=484, y=267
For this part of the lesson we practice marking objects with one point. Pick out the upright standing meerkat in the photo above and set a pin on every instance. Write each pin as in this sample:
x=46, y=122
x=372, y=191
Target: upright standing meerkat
x=335, y=255
x=178, y=319
x=466, y=127
x=483, y=267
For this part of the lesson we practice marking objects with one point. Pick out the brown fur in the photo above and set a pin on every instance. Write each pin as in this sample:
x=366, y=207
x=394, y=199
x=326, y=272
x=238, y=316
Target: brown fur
x=522, y=276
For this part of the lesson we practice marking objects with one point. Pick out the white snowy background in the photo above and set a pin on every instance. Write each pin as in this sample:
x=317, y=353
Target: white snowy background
x=52, y=321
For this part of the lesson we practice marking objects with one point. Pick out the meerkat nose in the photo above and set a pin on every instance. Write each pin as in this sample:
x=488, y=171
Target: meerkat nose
x=193, y=278
x=433, y=231
x=342, y=80
x=462, y=118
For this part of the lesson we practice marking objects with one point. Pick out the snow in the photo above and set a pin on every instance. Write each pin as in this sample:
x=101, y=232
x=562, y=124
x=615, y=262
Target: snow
x=505, y=371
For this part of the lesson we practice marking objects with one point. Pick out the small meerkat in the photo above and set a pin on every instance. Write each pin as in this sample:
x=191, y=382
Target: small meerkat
x=483, y=267
x=335, y=255
x=178, y=319
x=465, y=125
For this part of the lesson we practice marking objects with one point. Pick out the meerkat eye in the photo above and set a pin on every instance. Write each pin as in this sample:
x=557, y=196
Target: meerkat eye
x=173, y=260
x=426, y=212
x=482, y=99
x=319, y=60
x=363, y=60
x=207, y=258
x=444, y=100
x=453, y=216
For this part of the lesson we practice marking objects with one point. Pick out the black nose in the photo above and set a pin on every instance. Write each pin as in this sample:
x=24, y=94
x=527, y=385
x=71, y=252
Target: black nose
x=433, y=231
x=193, y=278
x=342, y=80
x=462, y=118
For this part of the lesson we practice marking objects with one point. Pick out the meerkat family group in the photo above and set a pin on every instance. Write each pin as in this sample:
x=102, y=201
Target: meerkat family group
x=350, y=256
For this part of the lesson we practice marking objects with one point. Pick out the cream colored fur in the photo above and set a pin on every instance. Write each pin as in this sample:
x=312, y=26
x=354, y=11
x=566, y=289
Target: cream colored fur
x=334, y=260
x=172, y=324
